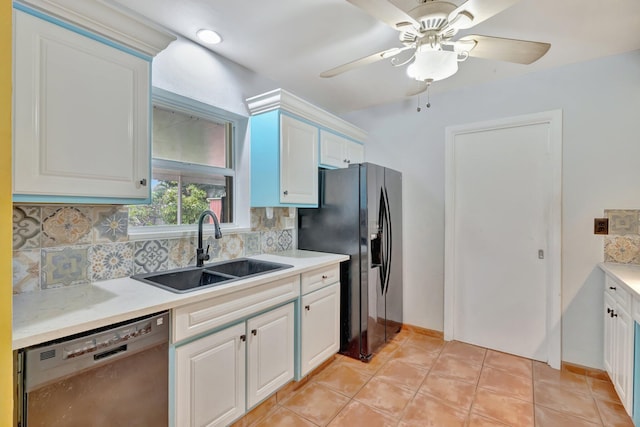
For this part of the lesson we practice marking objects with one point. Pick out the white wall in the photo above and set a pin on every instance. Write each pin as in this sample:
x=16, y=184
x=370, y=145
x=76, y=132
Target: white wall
x=601, y=169
x=190, y=70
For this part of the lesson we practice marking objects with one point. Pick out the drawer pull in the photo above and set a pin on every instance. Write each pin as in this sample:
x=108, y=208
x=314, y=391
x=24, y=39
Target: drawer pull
x=306, y=307
x=324, y=276
x=254, y=332
x=613, y=288
x=243, y=337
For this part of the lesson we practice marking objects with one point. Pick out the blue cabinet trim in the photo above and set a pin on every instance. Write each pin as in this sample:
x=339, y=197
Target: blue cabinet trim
x=636, y=375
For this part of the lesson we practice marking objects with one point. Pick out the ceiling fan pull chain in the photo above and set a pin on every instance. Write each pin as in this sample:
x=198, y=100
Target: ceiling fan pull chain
x=428, y=103
x=418, y=109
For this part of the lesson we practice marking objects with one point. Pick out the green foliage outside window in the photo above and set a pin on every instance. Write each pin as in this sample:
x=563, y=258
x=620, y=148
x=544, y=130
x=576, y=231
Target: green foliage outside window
x=164, y=205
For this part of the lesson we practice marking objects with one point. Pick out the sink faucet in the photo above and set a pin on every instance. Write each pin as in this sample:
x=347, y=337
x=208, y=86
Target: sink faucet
x=201, y=255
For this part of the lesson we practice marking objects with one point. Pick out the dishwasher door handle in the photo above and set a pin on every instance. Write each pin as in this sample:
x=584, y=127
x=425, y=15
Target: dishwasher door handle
x=110, y=353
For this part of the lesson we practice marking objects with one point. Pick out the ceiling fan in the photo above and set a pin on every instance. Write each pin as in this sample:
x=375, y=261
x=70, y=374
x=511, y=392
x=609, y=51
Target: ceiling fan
x=427, y=32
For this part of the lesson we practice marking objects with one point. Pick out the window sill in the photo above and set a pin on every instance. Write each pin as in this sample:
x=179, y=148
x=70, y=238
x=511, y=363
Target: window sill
x=177, y=232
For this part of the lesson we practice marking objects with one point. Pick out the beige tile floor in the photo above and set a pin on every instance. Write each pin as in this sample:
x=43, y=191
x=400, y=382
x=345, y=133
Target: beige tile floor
x=418, y=380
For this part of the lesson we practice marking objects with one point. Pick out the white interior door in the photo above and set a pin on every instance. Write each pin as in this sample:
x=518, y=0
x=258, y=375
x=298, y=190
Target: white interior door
x=502, y=260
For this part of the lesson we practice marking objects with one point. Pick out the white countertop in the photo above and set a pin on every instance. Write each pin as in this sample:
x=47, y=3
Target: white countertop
x=51, y=314
x=625, y=273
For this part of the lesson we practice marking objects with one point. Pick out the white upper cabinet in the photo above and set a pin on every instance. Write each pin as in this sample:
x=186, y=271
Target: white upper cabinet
x=81, y=114
x=339, y=152
x=298, y=162
x=287, y=148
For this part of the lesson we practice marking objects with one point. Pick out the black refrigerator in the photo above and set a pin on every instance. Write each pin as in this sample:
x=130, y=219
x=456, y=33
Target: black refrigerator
x=360, y=214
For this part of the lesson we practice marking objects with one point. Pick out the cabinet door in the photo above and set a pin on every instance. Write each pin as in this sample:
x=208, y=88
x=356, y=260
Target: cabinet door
x=332, y=151
x=298, y=161
x=623, y=366
x=81, y=123
x=270, y=353
x=320, y=327
x=354, y=152
x=609, y=334
x=210, y=379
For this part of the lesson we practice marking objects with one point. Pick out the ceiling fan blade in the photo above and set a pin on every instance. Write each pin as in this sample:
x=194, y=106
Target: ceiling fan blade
x=480, y=10
x=364, y=61
x=386, y=12
x=509, y=50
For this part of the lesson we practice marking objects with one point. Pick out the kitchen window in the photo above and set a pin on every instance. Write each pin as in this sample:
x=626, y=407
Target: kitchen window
x=193, y=166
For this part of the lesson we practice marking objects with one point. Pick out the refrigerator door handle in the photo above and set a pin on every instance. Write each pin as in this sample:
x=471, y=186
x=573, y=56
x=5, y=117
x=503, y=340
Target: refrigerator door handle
x=382, y=213
x=388, y=241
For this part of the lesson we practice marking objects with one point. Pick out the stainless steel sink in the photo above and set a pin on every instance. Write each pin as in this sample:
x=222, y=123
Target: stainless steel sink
x=193, y=278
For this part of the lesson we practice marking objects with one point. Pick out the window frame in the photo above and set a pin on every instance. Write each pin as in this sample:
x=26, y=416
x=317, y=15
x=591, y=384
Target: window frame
x=239, y=124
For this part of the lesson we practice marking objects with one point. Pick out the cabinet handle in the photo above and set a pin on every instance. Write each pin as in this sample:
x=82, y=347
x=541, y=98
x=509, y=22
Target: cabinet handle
x=613, y=288
x=254, y=332
x=285, y=192
x=349, y=161
x=346, y=161
x=306, y=307
x=143, y=182
x=324, y=276
x=609, y=310
x=613, y=314
x=243, y=337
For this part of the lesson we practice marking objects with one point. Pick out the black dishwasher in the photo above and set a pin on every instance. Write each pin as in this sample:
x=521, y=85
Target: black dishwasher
x=112, y=376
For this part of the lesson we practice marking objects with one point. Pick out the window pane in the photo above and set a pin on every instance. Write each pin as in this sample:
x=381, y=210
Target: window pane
x=190, y=139
x=212, y=193
x=164, y=204
x=172, y=207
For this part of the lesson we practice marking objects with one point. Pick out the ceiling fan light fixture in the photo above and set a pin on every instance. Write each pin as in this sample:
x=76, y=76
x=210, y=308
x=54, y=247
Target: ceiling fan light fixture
x=433, y=65
x=208, y=36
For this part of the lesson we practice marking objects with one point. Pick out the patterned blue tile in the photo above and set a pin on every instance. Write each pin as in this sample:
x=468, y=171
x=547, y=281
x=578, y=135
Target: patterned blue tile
x=26, y=227
x=111, y=224
x=285, y=240
x=252, y=245
x=151, y=256
x=269, y=241
x=64, y=266
x=110, y=261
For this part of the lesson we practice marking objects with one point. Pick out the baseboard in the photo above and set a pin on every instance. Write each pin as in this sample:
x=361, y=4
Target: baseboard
x=585, y=370
x=423, y=331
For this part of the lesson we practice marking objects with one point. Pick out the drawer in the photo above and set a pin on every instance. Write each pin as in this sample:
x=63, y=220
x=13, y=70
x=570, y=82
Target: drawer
x=203, y=316
x=319, y=278
x=619, y=293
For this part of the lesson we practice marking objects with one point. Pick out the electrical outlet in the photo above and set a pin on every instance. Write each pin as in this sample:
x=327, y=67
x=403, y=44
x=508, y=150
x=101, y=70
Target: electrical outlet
x=601, y=226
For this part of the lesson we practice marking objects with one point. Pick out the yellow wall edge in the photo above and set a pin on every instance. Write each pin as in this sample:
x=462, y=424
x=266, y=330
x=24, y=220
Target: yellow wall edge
x=6, y=278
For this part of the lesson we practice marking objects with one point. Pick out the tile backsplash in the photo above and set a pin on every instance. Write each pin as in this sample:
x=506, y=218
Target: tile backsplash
x=55, y=246
x=622, y=244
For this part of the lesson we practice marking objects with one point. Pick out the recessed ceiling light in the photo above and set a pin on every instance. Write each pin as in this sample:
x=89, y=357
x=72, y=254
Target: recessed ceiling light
x=209, y=36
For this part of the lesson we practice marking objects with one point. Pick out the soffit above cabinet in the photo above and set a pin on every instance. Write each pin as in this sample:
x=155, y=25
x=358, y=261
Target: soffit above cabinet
x=103, y=19
x=283, y=100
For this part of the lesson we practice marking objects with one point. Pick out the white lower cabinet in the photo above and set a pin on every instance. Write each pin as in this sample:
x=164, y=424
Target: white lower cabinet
x=210, y=379
x=270, y=353
x=619, y=341
x=210, y=385
x=320, y=326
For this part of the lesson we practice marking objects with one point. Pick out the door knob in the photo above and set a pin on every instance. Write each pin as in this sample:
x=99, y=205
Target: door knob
x=285, y=192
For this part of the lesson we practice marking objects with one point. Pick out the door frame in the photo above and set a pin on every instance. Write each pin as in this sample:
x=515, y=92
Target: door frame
x=554, y=274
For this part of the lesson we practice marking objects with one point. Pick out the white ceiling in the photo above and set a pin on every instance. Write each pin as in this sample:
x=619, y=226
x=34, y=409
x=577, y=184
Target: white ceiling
x=292, y=41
